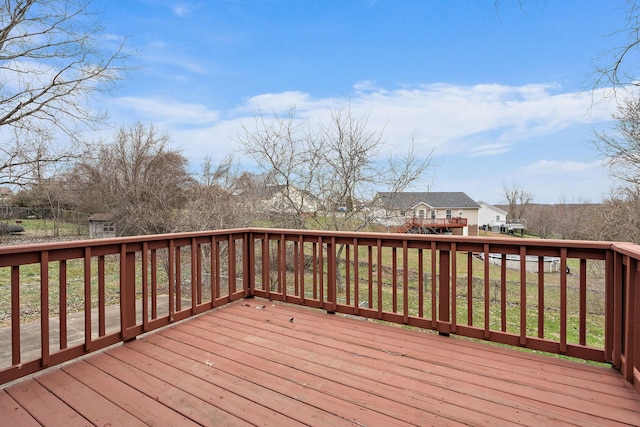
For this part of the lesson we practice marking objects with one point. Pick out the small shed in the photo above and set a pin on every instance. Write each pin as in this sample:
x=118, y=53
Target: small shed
x=102, y=226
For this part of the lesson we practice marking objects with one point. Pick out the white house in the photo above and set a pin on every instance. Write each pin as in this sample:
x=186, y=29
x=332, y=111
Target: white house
x=288, y=199
x=491, y=217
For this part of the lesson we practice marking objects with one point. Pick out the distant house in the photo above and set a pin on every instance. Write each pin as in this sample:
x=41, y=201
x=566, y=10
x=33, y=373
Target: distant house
x=5, y=202
x=491, y=217
x=102, y=226
x=288, y=200
x=428, y=212
x=5, y=193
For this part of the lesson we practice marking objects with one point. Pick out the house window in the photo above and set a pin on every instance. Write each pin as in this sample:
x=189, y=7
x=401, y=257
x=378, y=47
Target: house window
x=459, y=214
x=421, y=214
x=497, y=217
x=449, y=214
x=433, y=214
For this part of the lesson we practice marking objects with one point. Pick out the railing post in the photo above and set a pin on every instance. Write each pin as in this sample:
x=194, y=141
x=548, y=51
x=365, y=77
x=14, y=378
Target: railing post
x=44, y=307
x=635, y=337
x=249, y=266
x=231, y=263
x=608, y=301
x=444, y=325
x=15, y=315
x=87, y=299
x=629, y=319
x=127, y=292
x=616, y=311
x=332, y=277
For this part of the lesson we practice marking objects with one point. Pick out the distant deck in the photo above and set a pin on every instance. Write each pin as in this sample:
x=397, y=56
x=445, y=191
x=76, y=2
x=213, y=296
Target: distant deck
x=288, y=365
x=431, y=225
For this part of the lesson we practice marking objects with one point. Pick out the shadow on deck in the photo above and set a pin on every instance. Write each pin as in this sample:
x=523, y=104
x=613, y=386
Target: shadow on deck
x=255, y=362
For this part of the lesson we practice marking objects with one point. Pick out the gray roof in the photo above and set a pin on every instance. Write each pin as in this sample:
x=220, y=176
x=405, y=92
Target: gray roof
x=441, y=200
x=102, y=217
x=490, y=206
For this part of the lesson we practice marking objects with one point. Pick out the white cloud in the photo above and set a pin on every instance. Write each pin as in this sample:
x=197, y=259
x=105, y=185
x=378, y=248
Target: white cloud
x=555, y=167
x=168, y=113
x=177, y=62
x=460, y=123
x=182, y=9
x=478, y=120
x=365, y=86
x=274, y=102
x=489, y=150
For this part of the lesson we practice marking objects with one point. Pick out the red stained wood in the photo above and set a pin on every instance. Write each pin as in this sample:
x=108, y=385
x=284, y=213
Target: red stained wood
x=147, y=408
x=86, y=401
x=288, y=365
x=44, y=406
x=13, y=414
x=183, y=357
x=186, y=395
x=449, y=376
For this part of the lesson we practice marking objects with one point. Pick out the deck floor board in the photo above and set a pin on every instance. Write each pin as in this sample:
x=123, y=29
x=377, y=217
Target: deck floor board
x=456, y=381
x=44, y=406
x=379, y=373
x=13, y=414
x=255, y=362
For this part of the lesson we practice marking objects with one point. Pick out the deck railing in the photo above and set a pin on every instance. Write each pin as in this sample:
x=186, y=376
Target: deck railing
x=577, y=298
x=441, y=222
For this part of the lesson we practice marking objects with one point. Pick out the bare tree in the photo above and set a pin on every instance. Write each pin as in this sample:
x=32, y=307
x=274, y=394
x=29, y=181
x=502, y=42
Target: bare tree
x=616, y=219
x=617, y=67
x=562, y=220
x=281, y=149
x=571, y=220
x=541, y=220
x=213, y=203
x=327, y=174
x=137, y=179
x=517, y=200
x=54, y=59
x=622, y=146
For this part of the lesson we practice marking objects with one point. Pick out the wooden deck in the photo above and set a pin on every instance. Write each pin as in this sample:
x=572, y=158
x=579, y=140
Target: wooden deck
x=285, y=365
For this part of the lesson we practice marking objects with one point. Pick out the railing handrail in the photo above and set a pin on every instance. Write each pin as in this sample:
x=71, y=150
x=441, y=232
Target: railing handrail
x=66, y=244
x=621, y=246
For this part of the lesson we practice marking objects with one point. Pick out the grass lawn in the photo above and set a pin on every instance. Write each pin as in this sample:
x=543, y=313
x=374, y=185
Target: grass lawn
x=37, y=229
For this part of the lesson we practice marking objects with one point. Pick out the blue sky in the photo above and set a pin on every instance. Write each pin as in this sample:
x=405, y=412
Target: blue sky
x=502, y=95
